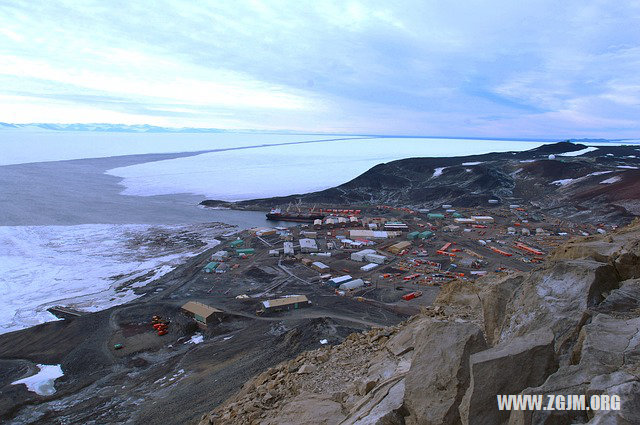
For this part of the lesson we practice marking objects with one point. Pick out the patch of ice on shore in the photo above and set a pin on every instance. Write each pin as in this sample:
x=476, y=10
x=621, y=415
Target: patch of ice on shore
x=42, y=383
x=611, y=180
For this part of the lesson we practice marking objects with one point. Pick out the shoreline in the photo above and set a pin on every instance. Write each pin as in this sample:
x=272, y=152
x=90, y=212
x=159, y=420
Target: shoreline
x=76, y=192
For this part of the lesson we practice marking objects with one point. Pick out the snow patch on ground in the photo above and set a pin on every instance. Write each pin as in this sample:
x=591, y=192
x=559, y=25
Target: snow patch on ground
x=580, y=152
x=438, y=171
x=563, y=182
x=472, y=163
x=197, y=338
x=611, y=180
x=628, y=167
x=42, y=382
x=528, y=160
x=599, y=173
x=86, y=267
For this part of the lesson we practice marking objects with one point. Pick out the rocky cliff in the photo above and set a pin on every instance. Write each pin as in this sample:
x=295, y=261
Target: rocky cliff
x=571, y=326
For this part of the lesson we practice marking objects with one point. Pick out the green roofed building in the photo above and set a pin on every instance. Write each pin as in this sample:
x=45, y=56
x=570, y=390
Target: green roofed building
x=435, y=215
x=236, y=243
x=210, y=268
x=411, y=236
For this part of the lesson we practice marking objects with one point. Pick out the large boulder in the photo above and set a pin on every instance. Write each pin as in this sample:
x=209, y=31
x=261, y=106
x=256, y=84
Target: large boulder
x=382, y=406
x=609, y=361
x=507, y=368
x=439, y=373
x=496, y=297
x=404, y=340
x=628, y=265
x=611, y=342
x=629, y=413
x=560, y=297
x=309, y=408
x=625, y=299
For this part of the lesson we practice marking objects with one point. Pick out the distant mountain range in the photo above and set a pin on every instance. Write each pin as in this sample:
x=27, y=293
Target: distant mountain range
x=145, y=128
x=117, y=128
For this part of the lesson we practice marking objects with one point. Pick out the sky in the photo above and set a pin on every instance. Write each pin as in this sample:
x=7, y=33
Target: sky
x=539, y=68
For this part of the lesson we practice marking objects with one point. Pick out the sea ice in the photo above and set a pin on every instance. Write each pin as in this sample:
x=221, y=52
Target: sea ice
x=86, y=267
x=266, y=171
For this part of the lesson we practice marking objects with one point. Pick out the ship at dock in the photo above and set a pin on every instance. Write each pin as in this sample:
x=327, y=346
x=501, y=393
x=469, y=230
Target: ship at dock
x=277, y=214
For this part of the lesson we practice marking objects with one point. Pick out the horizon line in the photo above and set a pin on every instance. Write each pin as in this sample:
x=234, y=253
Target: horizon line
x=130, y=128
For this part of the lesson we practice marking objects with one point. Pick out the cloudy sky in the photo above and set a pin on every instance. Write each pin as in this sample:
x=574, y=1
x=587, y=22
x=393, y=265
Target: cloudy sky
x=430, y=67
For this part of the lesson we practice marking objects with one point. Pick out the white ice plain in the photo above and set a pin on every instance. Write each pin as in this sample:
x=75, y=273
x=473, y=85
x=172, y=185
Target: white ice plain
x=268, y=171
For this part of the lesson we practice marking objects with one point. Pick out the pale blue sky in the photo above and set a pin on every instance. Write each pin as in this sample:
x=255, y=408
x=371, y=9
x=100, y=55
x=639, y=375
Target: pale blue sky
x=453, y=68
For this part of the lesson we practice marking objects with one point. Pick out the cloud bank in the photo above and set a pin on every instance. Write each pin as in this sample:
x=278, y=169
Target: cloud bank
x=466, y=68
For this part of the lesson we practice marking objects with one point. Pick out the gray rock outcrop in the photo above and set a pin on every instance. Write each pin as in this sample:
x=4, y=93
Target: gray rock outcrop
x=432, y=394
x=507, y=368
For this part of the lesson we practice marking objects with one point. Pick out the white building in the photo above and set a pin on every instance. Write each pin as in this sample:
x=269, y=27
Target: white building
x=374, y=234
x=321, y=267
x=220, y=256
x=336, y=281
x=308, y=245
x=360, y=255
x=462, y=220
x=482, y=218
x=288, y=248
x=354, y=284
x=375, y=258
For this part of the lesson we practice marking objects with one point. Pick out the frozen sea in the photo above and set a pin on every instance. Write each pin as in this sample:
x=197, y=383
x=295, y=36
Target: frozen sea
x=75, y=206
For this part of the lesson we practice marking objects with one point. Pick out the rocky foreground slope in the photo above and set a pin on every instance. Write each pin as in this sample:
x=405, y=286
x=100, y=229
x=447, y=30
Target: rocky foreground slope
x=572, y=326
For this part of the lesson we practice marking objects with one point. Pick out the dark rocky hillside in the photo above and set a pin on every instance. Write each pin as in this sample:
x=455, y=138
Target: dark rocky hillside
x=602, y=184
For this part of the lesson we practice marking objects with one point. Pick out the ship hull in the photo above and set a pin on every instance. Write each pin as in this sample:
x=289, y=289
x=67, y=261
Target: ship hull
x=298, y=218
